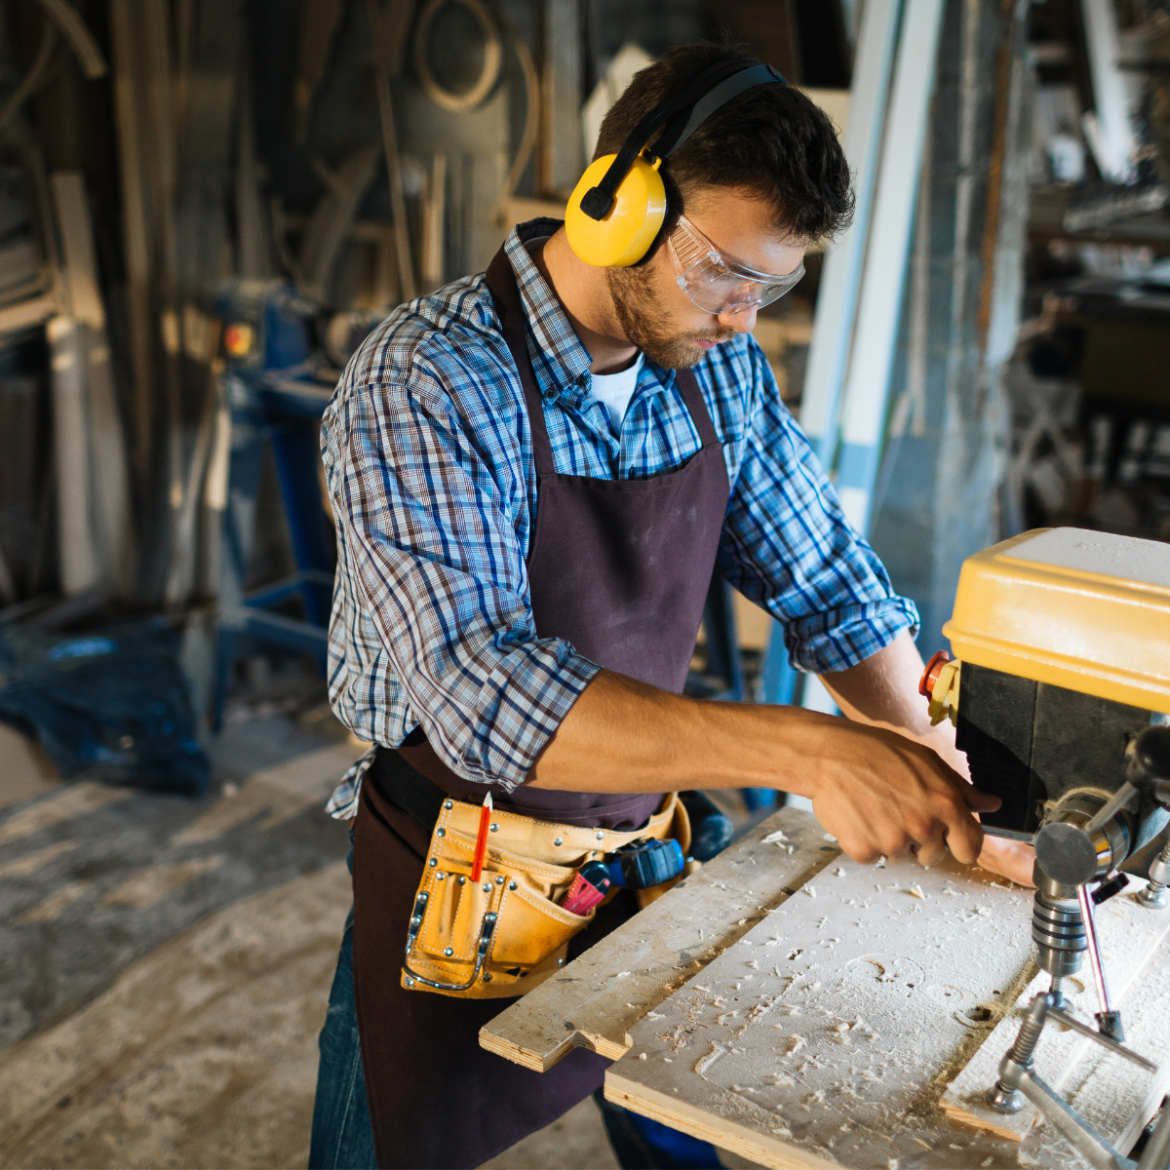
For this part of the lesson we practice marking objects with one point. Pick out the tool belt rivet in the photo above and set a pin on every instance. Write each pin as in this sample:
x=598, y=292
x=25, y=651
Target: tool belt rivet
x=559, y=841
x=600, y=835
x=441, y=832
x=433, y=862
x=409, y=981
x=487, y=976
x=511, y=885
x=499, y=881
x=487, y=887
x=495, y=828
x=449, y=952
x=560, y=962
x=462, y=879
x=440, y=876
x=448, y=804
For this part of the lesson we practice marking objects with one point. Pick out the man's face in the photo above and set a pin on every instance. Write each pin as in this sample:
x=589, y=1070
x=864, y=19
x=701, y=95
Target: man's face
x=658, y=316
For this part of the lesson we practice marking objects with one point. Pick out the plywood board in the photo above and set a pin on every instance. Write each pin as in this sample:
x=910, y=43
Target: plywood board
x=825, y=1034
x=598, y=998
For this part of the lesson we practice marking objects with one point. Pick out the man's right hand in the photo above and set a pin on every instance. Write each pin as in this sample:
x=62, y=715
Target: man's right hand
x=881, y=794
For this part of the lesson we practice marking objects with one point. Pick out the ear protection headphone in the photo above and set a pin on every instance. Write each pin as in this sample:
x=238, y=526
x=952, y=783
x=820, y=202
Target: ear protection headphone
x=618, y=207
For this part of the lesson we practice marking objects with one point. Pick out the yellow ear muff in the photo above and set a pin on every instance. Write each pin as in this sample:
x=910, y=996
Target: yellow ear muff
x=625, y=234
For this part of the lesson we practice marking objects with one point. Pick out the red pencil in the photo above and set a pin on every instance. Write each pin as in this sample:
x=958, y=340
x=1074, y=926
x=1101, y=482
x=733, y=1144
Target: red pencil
x=485, y=818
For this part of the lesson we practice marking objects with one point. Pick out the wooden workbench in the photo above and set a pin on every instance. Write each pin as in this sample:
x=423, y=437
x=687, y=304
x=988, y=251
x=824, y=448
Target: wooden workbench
x=803, y=1010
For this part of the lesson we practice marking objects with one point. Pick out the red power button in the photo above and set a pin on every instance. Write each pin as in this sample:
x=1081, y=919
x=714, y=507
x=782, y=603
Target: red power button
x=931, y=673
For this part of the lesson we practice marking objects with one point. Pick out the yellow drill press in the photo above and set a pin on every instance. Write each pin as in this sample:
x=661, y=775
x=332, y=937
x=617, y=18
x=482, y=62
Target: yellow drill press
x=1059, y=696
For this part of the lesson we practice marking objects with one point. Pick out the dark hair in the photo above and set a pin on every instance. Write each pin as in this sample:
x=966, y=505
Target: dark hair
x=771, y=140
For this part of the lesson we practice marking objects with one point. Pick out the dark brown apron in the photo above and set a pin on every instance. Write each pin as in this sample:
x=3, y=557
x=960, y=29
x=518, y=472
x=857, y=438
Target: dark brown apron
x=619, y=568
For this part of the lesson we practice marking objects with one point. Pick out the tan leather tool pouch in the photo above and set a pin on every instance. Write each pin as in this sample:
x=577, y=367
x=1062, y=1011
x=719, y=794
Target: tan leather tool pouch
x=505, y=934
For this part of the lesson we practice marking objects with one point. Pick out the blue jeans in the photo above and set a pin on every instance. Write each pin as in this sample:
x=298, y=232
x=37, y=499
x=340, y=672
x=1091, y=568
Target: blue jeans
x=342, y=1138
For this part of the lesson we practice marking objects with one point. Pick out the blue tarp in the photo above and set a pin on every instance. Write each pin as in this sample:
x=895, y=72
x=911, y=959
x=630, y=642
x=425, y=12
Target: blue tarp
x=112, y=705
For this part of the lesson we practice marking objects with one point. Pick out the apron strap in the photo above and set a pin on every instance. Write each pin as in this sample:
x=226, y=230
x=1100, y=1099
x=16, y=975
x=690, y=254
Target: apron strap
x=501, y=282
x=700, y=415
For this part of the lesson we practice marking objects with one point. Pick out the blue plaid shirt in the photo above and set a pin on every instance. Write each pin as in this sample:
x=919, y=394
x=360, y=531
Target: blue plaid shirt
x=428, y=459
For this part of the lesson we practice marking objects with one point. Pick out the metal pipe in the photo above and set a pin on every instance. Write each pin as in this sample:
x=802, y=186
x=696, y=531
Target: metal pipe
x=1082, y=1136
x=1018, y=1079
x=1101, y=1038
x=1155, y=895
x=1109, y=1020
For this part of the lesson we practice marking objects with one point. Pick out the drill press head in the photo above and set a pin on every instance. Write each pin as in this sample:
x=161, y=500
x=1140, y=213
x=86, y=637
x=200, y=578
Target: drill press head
x=1063, y=637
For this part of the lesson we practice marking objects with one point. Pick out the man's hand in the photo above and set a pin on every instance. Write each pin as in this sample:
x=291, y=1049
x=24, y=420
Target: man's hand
x=1010, y=859
x=880, y=793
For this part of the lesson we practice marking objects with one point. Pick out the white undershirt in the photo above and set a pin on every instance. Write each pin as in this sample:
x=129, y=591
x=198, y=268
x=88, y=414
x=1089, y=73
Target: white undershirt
x=614, y=392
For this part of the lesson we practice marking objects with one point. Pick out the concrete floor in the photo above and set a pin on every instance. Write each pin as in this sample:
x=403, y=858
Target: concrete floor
x=165, y=963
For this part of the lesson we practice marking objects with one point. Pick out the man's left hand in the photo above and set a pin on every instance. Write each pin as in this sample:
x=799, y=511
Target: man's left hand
x=1000, y=855
x=1008, y=858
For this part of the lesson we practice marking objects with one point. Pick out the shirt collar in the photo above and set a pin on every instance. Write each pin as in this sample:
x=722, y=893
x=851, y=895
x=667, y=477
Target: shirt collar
x=559, y=359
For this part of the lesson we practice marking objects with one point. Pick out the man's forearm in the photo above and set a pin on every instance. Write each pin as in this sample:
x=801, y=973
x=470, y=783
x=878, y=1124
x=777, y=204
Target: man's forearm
x=625, y=736
x=876, y=790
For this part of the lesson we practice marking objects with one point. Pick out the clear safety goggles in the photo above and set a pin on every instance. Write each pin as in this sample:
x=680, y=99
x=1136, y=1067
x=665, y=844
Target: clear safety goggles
x=716, y=285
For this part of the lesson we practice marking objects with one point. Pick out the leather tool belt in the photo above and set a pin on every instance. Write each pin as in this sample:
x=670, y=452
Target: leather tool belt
x=505, y=934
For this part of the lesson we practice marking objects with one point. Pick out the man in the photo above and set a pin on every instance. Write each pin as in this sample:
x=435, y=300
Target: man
x=533, y=475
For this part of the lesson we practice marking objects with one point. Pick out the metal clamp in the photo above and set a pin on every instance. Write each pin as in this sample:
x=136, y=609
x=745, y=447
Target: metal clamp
x=481, y=949
x=1018, y=1079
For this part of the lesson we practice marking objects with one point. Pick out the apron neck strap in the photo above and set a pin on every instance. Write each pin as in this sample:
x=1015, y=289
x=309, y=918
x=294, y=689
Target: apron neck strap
x=688, y=384
x=501, y=282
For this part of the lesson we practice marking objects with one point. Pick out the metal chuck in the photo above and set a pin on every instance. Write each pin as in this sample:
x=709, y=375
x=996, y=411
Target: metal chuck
x=1058, y=930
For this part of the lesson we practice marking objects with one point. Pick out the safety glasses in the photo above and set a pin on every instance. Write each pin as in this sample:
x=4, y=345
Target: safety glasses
x=717, y=286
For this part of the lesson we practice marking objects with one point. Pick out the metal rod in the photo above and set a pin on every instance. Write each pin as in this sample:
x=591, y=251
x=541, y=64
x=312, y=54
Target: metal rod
x=1068, y=1021
x=1056, y=990
x=1119, y=800
x=1079, y=1133
x=1094, y=951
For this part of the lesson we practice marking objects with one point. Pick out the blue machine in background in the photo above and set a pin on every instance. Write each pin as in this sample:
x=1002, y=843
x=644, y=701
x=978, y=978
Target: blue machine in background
x=276, y=388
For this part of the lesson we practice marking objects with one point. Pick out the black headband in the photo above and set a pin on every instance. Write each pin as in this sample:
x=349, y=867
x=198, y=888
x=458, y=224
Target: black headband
x=714, y=87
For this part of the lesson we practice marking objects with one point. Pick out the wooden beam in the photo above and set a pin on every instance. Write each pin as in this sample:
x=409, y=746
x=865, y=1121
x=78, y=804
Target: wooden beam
x=135, y=231
x=107, y=465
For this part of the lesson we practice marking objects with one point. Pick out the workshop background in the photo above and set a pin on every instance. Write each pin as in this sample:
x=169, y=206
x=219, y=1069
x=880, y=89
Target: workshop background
x=205, y=205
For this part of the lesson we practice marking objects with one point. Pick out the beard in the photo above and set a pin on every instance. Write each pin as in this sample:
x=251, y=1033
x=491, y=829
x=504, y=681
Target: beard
x=648, y=326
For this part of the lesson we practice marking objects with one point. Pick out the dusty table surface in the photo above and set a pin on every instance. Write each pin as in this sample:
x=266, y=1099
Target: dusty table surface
x=598, y=997
x=799, y=1009
x=824, y=1035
